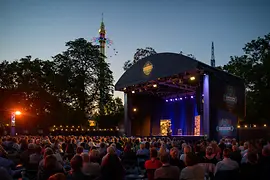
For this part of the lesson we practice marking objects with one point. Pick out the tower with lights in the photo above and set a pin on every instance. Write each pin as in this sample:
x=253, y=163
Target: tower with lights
x=102, y=37
x=213, y=61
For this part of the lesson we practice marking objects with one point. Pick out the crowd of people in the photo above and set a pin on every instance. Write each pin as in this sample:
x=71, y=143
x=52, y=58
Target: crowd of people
x=119, y=158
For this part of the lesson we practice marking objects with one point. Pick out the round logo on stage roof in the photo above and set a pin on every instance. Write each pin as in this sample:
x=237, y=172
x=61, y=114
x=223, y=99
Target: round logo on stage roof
x=147, y=68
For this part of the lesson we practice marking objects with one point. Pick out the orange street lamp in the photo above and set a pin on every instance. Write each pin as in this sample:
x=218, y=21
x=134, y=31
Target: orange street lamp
x=18, y=113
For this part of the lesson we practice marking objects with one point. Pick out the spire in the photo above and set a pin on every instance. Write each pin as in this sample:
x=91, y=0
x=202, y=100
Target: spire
x=213, y=61
x=102, y=25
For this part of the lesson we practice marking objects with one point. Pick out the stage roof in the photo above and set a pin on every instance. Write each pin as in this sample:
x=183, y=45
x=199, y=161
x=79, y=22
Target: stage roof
x=163, y=65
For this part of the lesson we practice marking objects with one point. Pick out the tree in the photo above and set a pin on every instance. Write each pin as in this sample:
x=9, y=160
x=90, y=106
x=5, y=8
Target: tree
x=89, y=80
x=254, y=68
x=139, y=54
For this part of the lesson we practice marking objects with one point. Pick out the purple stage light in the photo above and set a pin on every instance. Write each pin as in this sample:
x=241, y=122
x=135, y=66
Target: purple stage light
x=171, y=100
x=176, y=99
x=166, y=100
x=191, y=97
x=185, y=97
x=202, y=95
x=181, y=99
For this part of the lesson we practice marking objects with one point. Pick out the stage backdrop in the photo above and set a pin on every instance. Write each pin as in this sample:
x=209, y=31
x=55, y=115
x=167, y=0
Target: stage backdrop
x=227, y=105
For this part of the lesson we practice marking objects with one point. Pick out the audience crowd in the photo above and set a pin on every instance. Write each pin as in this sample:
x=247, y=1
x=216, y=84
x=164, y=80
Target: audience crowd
x=122, y=158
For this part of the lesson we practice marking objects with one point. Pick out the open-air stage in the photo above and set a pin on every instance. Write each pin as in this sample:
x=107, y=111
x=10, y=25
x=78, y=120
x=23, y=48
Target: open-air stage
x=173, y=94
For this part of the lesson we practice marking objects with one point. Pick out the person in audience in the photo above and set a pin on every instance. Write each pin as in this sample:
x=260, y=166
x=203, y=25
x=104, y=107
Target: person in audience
x=76, y=168
x=193, y=171
x=226, y=164
x=152, y=164
x=142, y=151
x=51, y=167
x=210, y=157
x=174, y=159
x=236, y=154
x=27, y=153
x=187, y=149
x=36, y=157
x=264, y=163
x=111, y=167
x=166, y=170
x=250, y=169
x=91, y=168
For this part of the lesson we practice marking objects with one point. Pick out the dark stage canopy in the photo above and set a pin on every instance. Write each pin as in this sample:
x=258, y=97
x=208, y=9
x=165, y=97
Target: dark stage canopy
x=163, y=65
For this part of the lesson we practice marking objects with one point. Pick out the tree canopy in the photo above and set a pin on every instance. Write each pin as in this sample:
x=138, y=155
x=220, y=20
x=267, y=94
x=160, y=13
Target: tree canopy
x=65, y=90
x=254, y=67
x=139, y=54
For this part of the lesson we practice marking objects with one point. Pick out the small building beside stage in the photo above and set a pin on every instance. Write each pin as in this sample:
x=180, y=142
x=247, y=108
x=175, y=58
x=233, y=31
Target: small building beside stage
x=172, y=94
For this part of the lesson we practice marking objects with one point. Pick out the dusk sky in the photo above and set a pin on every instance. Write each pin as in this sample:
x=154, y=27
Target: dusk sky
x=40, y=28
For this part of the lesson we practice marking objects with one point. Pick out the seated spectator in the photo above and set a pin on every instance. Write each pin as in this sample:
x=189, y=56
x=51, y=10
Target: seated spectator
x=174, y=160
x=187, y=149
x=51, y=166
x=91, y=168
x=264, y=163
x=76, y=168
x=193, y=171
x=36, y=157
x=26, y=154
x=236, y=154
x=210, y=157
x=166, y=170
x=250, y=170
x=226, y=164
x=152, y=164
x=142, y=151
x=111, y=167
x=128, y=154
x=79, y=150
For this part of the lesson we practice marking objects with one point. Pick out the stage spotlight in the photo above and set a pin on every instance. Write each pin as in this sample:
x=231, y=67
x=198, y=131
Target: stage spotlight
x=192, y=78
x=181, y=99
x=191, y=97
x=171, y=100
x=154, y=85
x=134, y=109
x=166, y=100
x=175, y=99
x=202, y=95
x=185, y=97
x=132, y=92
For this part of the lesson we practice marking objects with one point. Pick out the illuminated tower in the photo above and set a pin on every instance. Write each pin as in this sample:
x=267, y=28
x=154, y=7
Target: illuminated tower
x=102, y=37
x=213, y=61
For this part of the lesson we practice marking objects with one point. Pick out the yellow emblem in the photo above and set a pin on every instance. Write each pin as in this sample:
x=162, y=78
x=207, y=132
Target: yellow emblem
x=147, y=68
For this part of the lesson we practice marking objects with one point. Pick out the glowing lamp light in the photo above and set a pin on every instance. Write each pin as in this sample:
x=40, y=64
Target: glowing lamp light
x=132, y=92
x=238, y=126
x=154, y=85
x=264, y=125
x=192, y=78
x=254, y=125
x=18, y=113
x=134, y=109
x=245, y=126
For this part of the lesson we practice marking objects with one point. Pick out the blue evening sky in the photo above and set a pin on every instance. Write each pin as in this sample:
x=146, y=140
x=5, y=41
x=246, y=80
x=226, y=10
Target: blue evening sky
x=41, y=27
